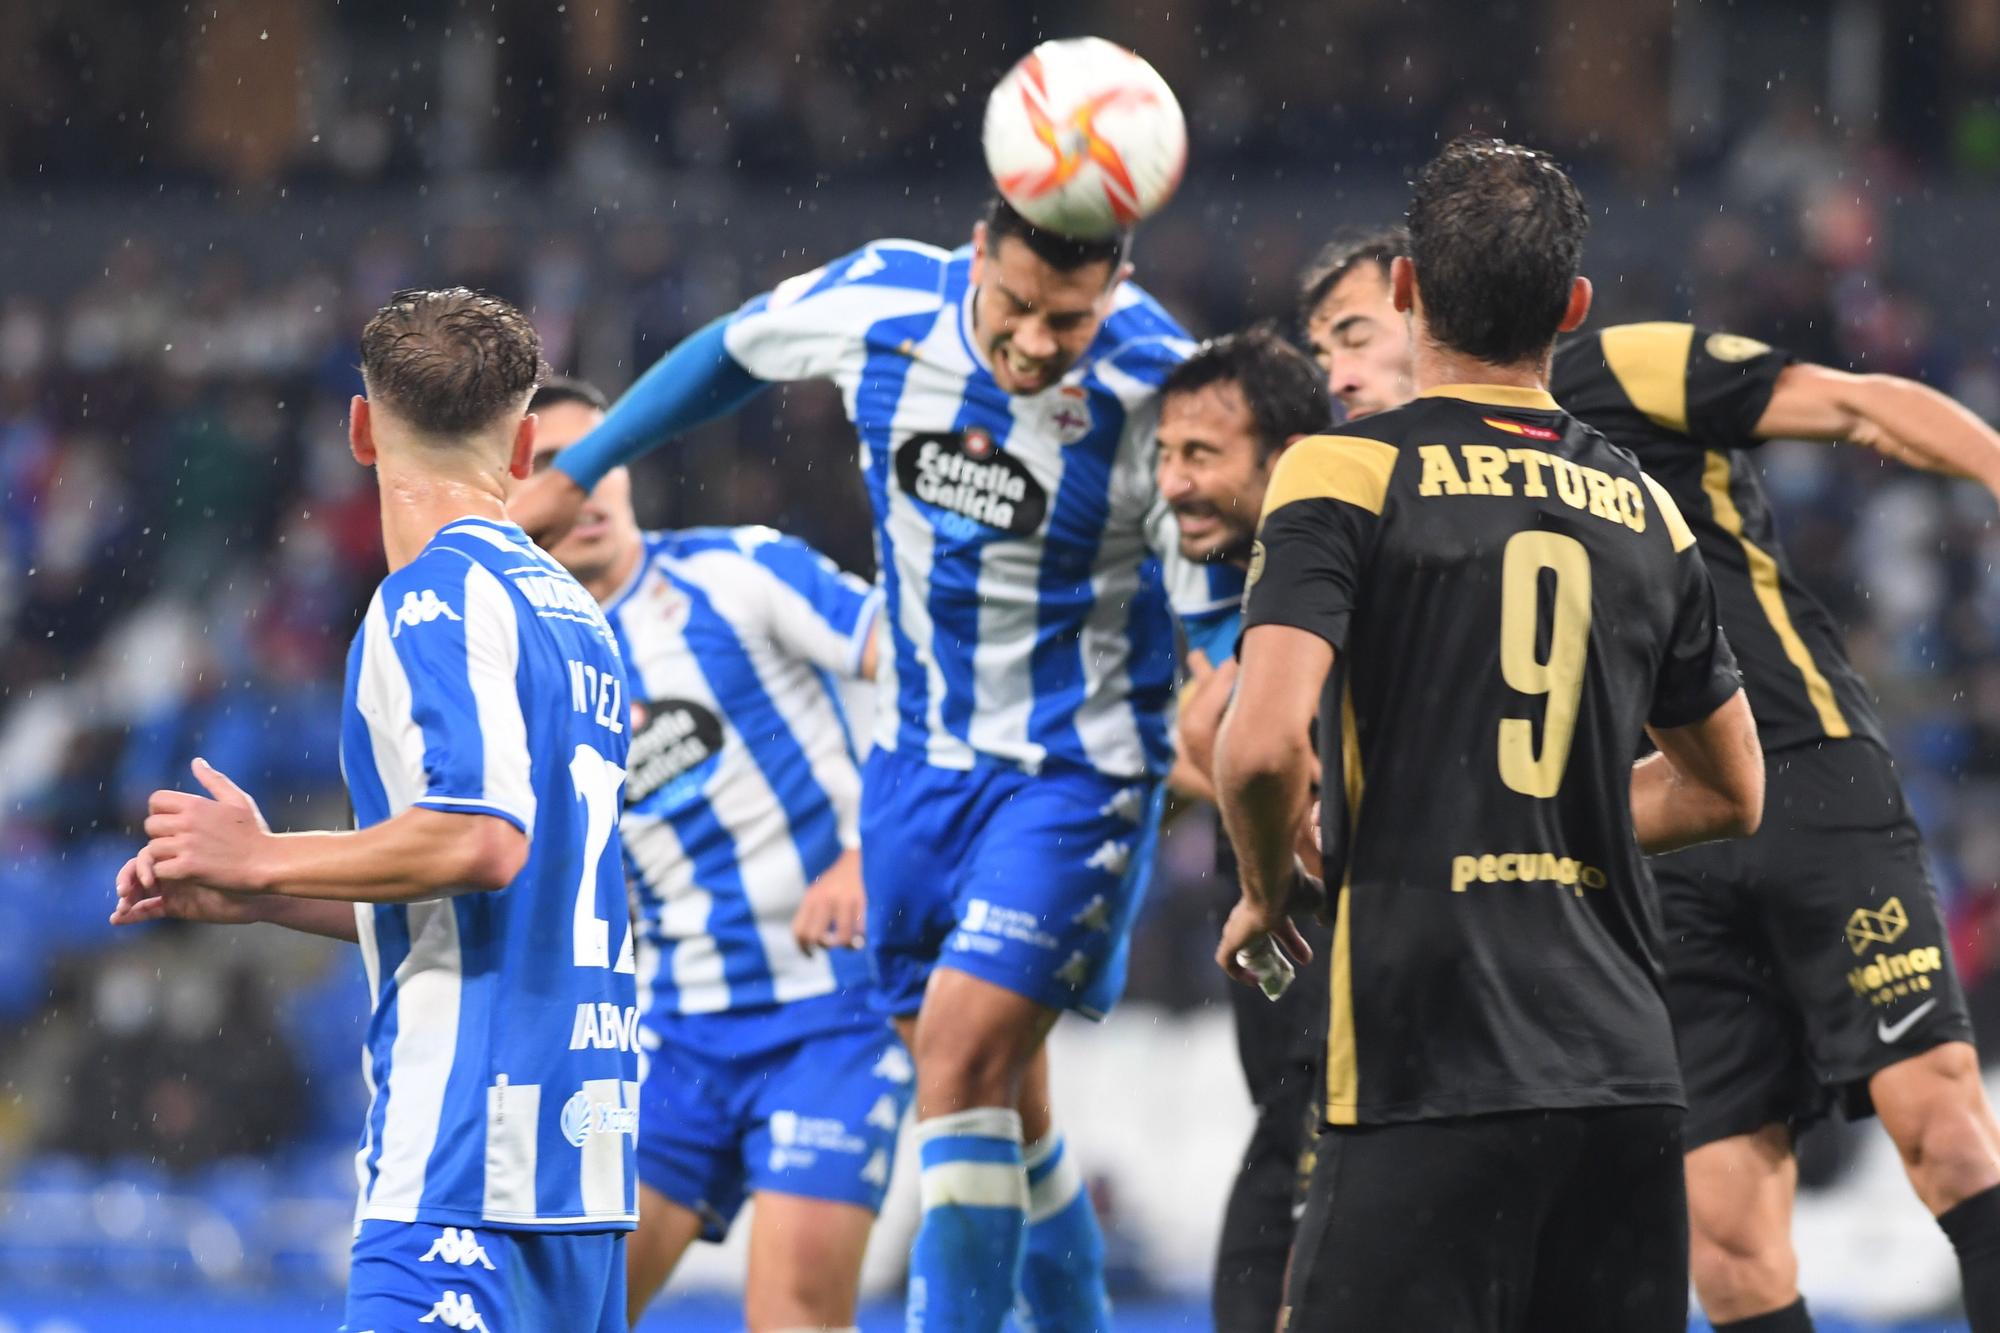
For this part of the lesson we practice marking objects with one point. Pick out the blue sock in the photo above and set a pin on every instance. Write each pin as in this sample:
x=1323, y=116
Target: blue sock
x=1062, y=1278
x=967, y=1259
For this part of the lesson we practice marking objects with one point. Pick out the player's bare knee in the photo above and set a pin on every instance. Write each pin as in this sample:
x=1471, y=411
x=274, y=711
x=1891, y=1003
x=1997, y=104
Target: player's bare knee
x=1934, y=1107
x=1742, y=1269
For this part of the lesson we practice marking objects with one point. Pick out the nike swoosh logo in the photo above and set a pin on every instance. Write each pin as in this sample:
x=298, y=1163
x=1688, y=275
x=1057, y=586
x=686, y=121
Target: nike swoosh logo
x=1893, y=1033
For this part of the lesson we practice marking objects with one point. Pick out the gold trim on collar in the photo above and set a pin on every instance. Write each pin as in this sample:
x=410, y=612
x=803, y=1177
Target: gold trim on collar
x=1494, y=395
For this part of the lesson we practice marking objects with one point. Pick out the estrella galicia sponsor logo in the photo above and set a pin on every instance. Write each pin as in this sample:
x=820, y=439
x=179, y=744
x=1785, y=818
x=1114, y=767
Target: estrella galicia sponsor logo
x=420, y=608
x=582, y=1117
x=674, y=746
x=458, y=1246
x=966, y=473
x=455, y=1310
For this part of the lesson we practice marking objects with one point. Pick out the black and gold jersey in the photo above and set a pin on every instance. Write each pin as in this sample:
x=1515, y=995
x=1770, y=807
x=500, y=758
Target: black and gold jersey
x=1686, y=402
x=1510, y=601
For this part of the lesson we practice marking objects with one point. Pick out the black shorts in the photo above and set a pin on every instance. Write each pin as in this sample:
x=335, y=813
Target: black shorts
x=1529, y=1222
x=1282, y=1046
x=1809, y=957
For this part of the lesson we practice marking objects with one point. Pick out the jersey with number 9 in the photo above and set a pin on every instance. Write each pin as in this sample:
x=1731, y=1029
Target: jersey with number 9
x=1511, y=601
x=500, y=1057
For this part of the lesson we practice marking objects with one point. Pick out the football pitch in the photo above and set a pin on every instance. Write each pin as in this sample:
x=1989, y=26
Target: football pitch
x=136, y=1313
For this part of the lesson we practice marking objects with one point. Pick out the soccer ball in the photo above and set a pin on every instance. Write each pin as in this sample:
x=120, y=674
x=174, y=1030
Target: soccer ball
x=1084, y=138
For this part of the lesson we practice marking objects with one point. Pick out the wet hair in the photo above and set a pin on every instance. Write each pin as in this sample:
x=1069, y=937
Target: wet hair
x=559, y=389
x=1064, y=254
x=450, y=362
x=1346, y=252
x=1496, y=234
x=1282, y=388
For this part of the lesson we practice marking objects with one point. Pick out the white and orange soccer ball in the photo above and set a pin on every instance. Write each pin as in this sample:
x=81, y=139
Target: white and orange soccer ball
x=1084, y=138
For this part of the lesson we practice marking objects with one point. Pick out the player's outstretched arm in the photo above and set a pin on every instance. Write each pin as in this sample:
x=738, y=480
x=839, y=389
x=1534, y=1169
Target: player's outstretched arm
x=1263, y=781
x=694, y=383
x=222, y=843
x=1899, y=418
x=1706, y=782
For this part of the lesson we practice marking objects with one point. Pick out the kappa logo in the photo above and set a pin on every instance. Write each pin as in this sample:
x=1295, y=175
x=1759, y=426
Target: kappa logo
x=461, y=1247
x=1093, y=915
x=1112, y=857
x=1883, y=925
x=420, y=609
x=455, y=1310
x=884, y=1114
x=1128, y=804
x=895, y=1065
x=876, y=1172
x=1074, y=972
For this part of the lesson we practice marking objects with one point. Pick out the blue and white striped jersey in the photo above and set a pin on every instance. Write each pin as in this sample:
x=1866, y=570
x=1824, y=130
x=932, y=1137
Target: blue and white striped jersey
x=743, y=786
x=1020, y=540
x=500, y=1057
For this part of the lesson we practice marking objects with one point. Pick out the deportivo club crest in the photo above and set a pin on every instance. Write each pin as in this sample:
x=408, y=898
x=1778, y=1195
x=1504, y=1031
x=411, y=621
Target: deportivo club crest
x=1069, y=419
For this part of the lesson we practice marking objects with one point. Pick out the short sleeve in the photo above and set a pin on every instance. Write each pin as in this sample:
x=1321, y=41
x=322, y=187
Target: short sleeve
x=1698, y=671
x=1321, y=515
x=810, y=325
x=1709, y=386
x=818, y=612
x=440, y=677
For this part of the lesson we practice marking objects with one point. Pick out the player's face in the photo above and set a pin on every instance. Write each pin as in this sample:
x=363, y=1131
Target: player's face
x=1211, y=471
x=1033, y=320
x=1362, y=343
x=606, y=528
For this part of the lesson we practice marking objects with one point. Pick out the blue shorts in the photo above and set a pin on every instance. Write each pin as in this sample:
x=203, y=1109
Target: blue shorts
x=1029, y=881
x=411, y=1277
x=802, y=1098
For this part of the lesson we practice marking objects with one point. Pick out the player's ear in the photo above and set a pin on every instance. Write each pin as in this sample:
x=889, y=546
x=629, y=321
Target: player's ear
x=978, y=251
x=1578, y=309
x=523, y=461
x=360, y=433
x=1402, y=284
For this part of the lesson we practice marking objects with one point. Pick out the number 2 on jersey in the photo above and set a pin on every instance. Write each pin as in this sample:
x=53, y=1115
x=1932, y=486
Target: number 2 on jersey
x=1559, y=676
x=596, y=781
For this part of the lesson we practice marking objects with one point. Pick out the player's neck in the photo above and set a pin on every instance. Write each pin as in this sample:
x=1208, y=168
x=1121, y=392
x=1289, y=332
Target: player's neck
x=1434, y=366
x=415, y=505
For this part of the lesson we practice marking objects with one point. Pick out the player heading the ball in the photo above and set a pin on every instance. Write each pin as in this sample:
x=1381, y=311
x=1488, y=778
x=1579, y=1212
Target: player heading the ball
x=1004, y=395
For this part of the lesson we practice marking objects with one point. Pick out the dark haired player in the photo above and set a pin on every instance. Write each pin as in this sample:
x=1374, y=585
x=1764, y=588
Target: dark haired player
x=764, y=1070
x=484, y=745
x=1227, y=413
x=1807, y=967
x=1485, y=605
x=1004, y=395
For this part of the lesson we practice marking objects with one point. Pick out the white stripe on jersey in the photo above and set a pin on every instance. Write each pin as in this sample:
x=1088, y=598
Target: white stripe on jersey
x=491, y=631
x=420, y=1060
x=513, y=1121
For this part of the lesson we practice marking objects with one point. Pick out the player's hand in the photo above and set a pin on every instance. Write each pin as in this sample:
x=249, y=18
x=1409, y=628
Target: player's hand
x=834, y=908
x=143, y=896
x=217, y=843
x=1201, y=707
x=1250, y=923
x=546, y=505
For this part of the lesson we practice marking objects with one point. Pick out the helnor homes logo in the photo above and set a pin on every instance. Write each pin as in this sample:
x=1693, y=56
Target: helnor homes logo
x=1888, y=977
